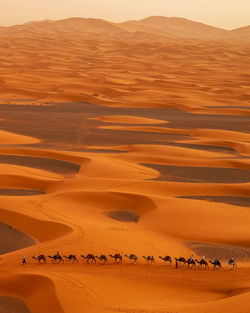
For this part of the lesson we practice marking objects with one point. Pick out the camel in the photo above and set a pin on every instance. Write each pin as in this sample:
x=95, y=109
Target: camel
x=132, y=258
x=55, y=258
x=232, y=263
x=41, y=257
x=71, y=257
x=117, y=257
x=102, y=258
x=202, y=262
x=216, y=263
x=166, y=259
x=89, y=257
x=150, y=259
x=191, y=262
x=180, y=260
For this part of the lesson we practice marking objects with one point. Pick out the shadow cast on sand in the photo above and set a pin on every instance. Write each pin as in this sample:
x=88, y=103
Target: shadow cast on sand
x=221, y=251
x=20, y=192
x=13, y=239
x=12, y=304
x=124, y=216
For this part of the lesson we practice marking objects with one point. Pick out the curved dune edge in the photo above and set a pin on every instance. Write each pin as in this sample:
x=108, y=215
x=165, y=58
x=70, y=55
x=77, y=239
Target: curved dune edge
x=76, y=157
x=25, y=182
x=242, y=147
x=198, y=133
x=20, y=170
x=102, y=201
x=180, y=160
x=38, y=229
x=39, y=292
x=127, y=119
x=13, y=304
x=8, y=138
x=223, y=252
x=91, y=164
x=138, y=101
x=190, y=220
x=150, y=187
x=220, y=110
x=42, y=167
x=112, y=167
x=232, y=304
x=182, y=219
x=231, y=200
x=178, y=218
x=13, y=239
x=170, y=151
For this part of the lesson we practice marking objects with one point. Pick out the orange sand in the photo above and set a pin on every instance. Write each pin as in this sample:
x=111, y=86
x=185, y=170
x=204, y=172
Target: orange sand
x=14, y=139
x=153, y=63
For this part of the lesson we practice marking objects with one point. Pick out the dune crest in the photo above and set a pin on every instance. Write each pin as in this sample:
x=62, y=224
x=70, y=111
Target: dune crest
x=7, y=138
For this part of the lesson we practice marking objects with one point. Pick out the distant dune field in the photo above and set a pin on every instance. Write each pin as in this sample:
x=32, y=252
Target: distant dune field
x=128, y=138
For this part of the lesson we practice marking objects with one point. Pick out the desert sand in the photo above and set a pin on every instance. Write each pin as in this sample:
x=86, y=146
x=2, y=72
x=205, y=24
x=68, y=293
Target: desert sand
x=124, y=138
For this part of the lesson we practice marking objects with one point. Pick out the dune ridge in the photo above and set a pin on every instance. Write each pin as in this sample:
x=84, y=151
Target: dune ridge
x=156, y=25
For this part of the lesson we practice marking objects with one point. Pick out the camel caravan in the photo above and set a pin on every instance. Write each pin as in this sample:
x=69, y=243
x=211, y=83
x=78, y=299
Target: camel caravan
x=180, y=262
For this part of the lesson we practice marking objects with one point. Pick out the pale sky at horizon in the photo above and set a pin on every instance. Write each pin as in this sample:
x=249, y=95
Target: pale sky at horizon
x=228, y=14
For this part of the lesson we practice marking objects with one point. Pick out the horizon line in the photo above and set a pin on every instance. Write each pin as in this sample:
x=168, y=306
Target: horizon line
x=120, y=22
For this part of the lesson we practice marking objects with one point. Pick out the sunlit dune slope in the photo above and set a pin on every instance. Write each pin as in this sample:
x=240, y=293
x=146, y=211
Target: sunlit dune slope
x=175, y=27
x=242, y=33
x=10, y=138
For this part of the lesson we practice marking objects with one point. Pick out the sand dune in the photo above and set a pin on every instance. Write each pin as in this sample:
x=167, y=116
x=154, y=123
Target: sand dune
x=129, y=120
x=124, y=138
x=41, y=230
x=13, y=139
x=241, y=33
x=13, y=304
x=13, y=239
x=39, y=287
x=66, y=26
x=175, y=27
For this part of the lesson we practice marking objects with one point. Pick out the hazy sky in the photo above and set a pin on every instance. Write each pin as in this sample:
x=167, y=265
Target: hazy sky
x=222, y=13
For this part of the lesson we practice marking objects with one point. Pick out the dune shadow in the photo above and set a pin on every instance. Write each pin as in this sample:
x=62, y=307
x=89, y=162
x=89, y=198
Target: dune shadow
x=20, y=192
x=41, y=230
x=124, y=216
x=48, y=164
x=11, y=304
x=221, y=251
x=13, y=239
x=193, y=174
x=68, y=125
x=38, y=292
x=234, y=200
